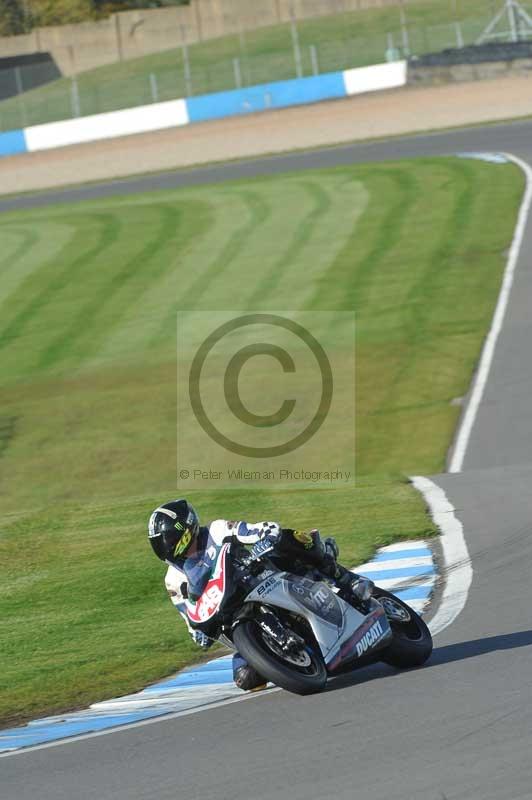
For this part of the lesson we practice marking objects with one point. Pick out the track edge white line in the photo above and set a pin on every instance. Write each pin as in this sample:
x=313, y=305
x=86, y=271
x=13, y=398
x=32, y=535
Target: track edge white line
x=479, y=384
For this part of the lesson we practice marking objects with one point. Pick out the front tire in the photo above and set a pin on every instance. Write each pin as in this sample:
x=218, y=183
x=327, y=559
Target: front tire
x=307, y=679
x=411, y=645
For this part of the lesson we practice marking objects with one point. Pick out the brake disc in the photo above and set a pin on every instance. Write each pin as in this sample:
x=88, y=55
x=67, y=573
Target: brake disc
x=300, y=658
x=394, y=610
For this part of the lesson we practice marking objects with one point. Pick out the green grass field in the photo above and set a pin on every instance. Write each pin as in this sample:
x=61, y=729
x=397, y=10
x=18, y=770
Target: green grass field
x=342, y=41
x=88, y=302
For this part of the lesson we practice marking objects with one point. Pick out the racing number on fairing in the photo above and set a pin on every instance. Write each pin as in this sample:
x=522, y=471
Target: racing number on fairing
x=209, y=602
x=212, y=599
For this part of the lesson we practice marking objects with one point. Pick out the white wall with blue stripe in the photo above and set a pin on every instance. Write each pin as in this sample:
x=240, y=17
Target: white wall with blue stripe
x=157, y=116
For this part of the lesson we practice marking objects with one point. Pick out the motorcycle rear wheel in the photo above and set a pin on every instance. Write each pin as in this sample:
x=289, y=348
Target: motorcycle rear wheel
x=411, y=645
x=250, y=642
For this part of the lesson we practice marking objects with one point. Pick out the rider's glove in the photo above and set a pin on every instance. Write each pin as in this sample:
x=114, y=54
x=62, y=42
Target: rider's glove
x=270, y=529
x=201, y=639
x=264, y=547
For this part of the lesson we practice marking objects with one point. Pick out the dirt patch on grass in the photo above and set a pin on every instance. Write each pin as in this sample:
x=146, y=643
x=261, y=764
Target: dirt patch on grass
x=378, y=115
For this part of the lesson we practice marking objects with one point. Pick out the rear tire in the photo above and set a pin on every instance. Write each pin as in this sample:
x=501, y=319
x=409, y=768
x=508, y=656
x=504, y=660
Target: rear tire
x=411, y=645
x=299, y=680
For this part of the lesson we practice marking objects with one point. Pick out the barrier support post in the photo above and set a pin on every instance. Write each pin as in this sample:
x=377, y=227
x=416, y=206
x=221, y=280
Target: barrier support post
x=237, y=73
x=295, y=43
x=314, y=59
x=186, y=62
x=74, y=96
x=154, y=88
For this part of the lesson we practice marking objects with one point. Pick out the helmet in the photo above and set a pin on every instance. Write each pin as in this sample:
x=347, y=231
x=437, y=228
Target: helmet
x=172, y=529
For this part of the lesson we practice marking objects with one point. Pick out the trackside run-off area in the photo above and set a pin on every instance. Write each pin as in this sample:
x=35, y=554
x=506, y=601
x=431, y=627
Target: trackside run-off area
x=89, y=296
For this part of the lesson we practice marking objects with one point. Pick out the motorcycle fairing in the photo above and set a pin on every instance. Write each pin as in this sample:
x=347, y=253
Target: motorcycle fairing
x=337, y=626
x=209, y=603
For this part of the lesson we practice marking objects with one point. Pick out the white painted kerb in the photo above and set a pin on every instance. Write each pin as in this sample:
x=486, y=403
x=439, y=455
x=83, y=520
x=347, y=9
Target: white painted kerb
x=458, y=571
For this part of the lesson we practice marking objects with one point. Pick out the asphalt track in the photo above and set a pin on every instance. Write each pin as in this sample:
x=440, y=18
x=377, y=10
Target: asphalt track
x=461, y=727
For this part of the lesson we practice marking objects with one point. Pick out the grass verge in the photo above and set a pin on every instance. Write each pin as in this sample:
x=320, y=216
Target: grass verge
x=87, y=421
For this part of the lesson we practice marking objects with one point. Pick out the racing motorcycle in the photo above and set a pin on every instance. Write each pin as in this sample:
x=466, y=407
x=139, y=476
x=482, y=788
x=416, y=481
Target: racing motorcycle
x=298, y=628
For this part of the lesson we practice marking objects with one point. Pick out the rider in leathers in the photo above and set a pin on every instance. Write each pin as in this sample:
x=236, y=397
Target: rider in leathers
x=190, y=552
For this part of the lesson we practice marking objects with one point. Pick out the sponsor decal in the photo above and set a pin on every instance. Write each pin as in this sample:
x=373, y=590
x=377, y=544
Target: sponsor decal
x=183, y=543
x=267, y=586
x=317, y=598
x=375, y=633
x=371, y=632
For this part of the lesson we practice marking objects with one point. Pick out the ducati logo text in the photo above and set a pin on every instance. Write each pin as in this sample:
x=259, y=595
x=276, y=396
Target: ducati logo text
x=369, y=638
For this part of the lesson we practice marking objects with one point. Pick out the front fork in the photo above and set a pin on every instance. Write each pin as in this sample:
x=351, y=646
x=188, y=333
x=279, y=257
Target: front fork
x=272, y=626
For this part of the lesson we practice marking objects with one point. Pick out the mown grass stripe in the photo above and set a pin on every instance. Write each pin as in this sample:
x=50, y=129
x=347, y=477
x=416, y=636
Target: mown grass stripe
x=107, y=234
x=28, y=239
x=43, y=245
x=343, y=282
x=89, y=316
x=191, y=298
x=141, y=317
x=267, y=284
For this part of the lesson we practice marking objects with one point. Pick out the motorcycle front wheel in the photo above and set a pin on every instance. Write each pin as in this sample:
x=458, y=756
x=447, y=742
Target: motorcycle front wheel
x=301, y=674
x=411, y=645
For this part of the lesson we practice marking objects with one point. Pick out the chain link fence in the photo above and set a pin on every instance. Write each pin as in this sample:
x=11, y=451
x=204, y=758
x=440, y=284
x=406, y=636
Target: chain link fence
x=189, y=72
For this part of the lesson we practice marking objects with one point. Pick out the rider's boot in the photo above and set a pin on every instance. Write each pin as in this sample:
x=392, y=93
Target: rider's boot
x=352, y=584
x=245, y=676
x=362, y=587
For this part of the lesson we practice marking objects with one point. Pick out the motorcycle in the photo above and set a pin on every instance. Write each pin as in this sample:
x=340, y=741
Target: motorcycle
x=297, y=628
